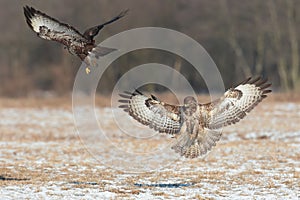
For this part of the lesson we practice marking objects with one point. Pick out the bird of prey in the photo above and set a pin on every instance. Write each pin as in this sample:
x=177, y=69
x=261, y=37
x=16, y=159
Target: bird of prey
x=81, y=45
x=195, y=126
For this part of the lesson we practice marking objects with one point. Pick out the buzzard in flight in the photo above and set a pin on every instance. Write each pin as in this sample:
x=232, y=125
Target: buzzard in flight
x=81, y=45
x=196, y=127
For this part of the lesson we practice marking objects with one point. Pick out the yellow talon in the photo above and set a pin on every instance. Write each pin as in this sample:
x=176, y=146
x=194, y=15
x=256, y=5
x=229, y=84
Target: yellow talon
x=87, y=70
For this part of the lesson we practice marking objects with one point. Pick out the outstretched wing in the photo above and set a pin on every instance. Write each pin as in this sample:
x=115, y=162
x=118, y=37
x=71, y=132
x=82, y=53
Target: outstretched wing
x=49, y=28
x=150, y=111
x=93, y=31
x=236, y=103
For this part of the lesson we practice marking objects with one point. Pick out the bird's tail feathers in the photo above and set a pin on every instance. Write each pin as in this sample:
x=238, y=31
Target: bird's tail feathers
x=94, y=55
x=193, y=147
x=185, y=146
x=100, y=51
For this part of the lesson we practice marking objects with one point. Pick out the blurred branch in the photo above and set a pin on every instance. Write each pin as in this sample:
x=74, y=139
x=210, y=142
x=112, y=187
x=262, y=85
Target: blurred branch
x=291, y=11
x=177, y=66
x=232, y=37
x=259, y=46
x=259, y=37
x=277, y=42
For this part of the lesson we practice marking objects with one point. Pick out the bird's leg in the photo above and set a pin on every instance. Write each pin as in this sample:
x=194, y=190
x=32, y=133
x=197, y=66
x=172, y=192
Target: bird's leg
x=90, y=62
x=87, y=70
x=94, y=62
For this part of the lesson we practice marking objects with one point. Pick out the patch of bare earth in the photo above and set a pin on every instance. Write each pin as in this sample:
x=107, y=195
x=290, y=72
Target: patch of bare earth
x=42, y=156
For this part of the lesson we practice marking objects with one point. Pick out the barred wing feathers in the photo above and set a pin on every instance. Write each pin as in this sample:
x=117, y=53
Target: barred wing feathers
x=237, y=102
x=49, y=28
x=150, y=111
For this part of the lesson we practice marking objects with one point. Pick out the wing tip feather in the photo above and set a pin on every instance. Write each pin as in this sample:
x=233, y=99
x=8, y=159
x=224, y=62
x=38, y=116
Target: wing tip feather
x=123, y=13
x=254, y=80
x=123, y=100
x=138, y=92
x=260, y=82
x=124, y=95
x=267, y=91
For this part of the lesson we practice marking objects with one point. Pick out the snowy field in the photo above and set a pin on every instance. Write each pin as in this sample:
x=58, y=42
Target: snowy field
x=43, y=156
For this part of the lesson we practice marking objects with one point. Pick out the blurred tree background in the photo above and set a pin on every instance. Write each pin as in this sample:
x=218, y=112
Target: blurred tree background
x=244, y=38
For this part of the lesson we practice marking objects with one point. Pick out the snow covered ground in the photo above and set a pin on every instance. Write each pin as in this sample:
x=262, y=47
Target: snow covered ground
x=43, y=155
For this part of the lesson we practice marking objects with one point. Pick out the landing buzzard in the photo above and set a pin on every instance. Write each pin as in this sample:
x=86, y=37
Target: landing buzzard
x=196, y=126
x=81, y=45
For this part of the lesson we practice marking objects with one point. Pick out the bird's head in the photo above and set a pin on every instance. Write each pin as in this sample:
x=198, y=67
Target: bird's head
x=190, y=105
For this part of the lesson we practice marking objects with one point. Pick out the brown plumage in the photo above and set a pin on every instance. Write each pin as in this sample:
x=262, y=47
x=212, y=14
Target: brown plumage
x=81, y=45
x=196, y=127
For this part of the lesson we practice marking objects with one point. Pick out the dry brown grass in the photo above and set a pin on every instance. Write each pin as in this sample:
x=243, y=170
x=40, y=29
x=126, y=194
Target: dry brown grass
x=54, y=156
